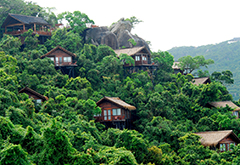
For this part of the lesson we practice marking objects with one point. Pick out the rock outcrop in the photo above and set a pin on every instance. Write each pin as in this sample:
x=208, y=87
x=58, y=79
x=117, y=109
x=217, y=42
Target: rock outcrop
x=117, y=36
x=101, y=36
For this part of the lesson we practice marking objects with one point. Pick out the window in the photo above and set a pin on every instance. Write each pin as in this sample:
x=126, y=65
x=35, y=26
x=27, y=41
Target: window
x=144, y=58
x=105, y=114
x=57, y=61
x=109, y=114
x=38, y=101
x=222, y=147
x=60, y=60
x=137, y=58
x=114, y=111
x=52, y=58
x=67, y=59
x=235, y=113
x=118, y=111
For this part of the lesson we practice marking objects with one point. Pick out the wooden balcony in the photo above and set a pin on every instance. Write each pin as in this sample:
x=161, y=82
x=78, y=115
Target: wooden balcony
x=113, y=118
x=58, y=64
x=19, y=32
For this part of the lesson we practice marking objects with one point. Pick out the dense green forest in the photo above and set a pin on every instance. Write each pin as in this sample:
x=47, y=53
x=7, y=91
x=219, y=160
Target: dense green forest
x=62, y=130
x=226, y=56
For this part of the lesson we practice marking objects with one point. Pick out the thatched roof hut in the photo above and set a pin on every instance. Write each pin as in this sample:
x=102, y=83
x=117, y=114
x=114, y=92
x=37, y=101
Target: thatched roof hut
x=117, y=101
x=202, y=80
x=222, y=104
x=213, y=138
x=132, y=51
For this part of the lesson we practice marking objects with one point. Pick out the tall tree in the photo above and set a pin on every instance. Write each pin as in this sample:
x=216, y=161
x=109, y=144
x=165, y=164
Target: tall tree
x=189, y=63
x=76, y=20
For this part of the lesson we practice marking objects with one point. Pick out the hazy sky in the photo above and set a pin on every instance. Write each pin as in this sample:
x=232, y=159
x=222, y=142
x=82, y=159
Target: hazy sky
x=166, y=23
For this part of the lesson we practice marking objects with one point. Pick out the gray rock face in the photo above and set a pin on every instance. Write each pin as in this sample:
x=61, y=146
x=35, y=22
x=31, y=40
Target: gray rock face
x=116, y=36
x=101, y=36
x=120, y=27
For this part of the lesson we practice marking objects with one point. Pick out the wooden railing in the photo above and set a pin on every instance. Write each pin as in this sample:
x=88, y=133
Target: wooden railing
x=65, y=64
x=113, y=118
x=36, y=32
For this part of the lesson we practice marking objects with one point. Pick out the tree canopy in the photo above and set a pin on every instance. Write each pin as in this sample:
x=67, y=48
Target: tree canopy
x=63, y=130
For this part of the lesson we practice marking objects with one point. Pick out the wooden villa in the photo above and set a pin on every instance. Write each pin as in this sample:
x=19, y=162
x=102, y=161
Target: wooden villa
x=115, y=113
x=142, y=57
x=222, y=104
x=63, y=60
x=33, y=94
x=16, y=25
x=220, y=140
x=202, y=80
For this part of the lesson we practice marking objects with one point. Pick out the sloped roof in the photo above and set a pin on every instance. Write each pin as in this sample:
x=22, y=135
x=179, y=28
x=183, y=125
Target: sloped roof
x=212, y=138
x=59, y=47
x=202, y=80
x=175, y=65
x=219, y=104
x=130, y=51
x=117, y=101
x=33, y=92
x=24, y=19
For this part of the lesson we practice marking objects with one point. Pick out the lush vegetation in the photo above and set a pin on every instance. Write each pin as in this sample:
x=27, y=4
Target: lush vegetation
x=62, y=130
x=225, y=56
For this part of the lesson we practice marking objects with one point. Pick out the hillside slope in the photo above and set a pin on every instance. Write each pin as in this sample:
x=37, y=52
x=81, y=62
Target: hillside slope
x=226, y=56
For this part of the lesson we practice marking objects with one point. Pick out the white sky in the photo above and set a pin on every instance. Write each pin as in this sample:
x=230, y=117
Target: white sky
x=166, y=23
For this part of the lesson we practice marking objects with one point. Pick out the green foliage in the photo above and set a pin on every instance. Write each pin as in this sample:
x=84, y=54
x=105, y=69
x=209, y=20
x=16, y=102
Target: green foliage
x=226, y=77
x=192, y=150
x=134, y=142
x=14, y=155
x=126, y=59
x=189, y=63
x=133, y=42
x=133, y=20
x=68, y=40
x=169, y=107
x=30, y=40
x=10, y=44
x=76, y=20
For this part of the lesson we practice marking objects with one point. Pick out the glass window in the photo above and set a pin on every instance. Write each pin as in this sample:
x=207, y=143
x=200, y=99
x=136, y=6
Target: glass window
x=109, y=114
x=52, y=58
x=114, y=111
x=144, y=58
x=60, y=60
x=137, y=58
x=118, y=111
x=67, y=59
x=235, y=113
x=222, y=147
x=56, y=61
x=105, y=114
x=39, y=101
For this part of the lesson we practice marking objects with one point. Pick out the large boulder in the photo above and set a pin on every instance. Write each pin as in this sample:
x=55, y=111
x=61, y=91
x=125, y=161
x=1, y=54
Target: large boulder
x=120, y=26
x=122, y=29
x=116, y=36
x=101, y=36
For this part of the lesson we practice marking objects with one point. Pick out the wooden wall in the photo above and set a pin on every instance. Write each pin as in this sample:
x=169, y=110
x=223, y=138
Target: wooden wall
x=59, y=53
x=107, y=105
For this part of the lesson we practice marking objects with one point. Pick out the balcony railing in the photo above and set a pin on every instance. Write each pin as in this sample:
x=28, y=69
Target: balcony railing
x=113, y=118
x=65, y=64
x=44, y=33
